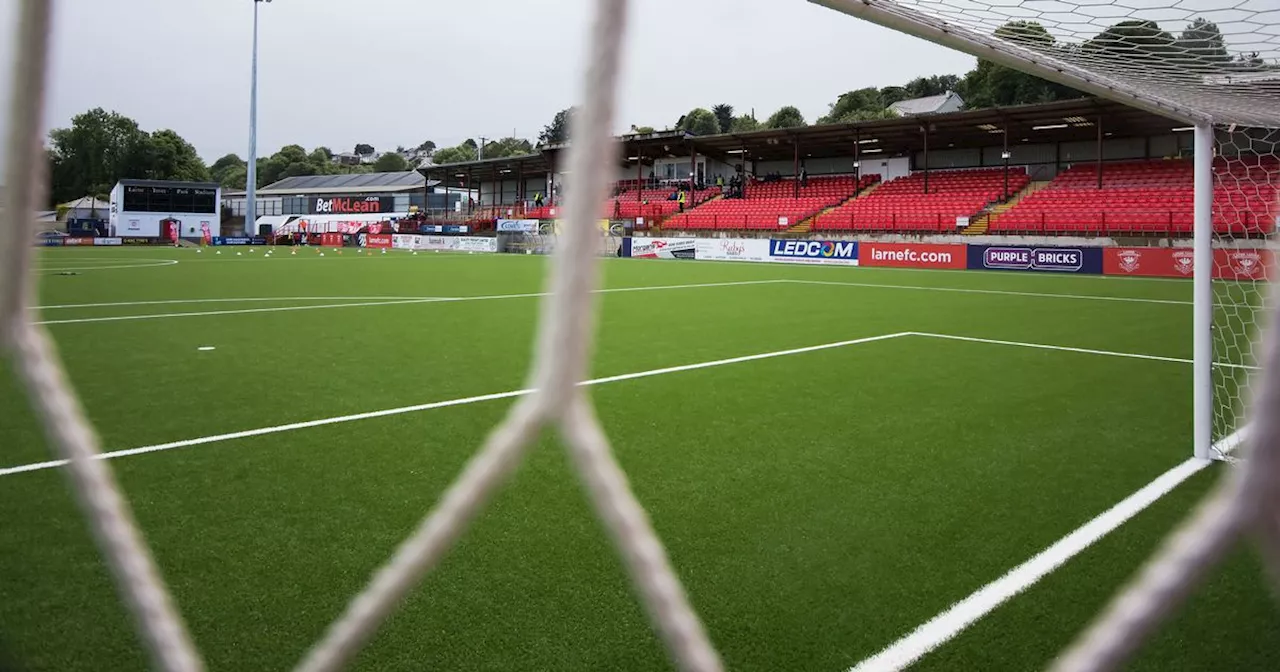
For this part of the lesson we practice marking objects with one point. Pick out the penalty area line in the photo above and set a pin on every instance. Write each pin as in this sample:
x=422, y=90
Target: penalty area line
x=231, y=436
x=959, y=616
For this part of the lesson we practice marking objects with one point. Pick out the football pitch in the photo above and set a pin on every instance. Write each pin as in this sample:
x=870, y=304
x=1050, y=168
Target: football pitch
x=832, y=456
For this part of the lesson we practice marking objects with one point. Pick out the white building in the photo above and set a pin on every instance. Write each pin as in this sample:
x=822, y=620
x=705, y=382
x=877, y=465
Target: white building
x=154, y=208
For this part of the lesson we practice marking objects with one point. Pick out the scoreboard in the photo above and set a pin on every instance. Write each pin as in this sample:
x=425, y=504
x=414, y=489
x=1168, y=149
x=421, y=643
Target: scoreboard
x=169, y=200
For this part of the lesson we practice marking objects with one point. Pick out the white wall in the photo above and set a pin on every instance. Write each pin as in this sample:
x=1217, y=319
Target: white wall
x=147, y=224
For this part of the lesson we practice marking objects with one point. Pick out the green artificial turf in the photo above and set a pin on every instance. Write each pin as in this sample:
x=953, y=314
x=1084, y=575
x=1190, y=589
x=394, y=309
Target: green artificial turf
x=817, y=506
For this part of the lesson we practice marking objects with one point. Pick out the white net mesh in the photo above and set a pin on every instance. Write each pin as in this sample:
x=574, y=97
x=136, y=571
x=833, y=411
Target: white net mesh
x=1192, y=59
x=1109, y=47
x=562, y=355
x=1246, y=191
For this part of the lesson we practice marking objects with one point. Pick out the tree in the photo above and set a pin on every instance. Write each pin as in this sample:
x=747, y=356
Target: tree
x=786, y=117
x=170, y=157
x=391, y=162
x=365, y=150
x=923, y=87
x=320, y=158
x=504, y=147
x=1133, y=40
x=97, y=150
x=227, y=167
x=642, y=130
x=724, y=115
x=991, y=85
x=557, y=132
x=1202, y=42
x=699, y=121
x=427, y=147
x=457, y=154
x=744, y=124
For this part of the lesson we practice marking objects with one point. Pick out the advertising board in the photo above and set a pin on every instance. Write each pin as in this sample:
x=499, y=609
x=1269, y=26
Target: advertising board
x=517, y=226
x=73, y=241
x=663, y=248
x=50, y=241
x=1243, y=264
x=108, y=241
x=231, y=240
x=1228, y=263
x=137, y=241
x=467, y=244
x=383, y=240
x=1040, y=259
x=912, y=255
x=348, y=205
x=1158, y=262
x=731, y=249
x=842, y=252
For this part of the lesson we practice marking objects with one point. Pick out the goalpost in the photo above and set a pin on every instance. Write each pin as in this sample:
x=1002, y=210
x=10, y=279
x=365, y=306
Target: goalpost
x=1214, y=71
x=1230, y=103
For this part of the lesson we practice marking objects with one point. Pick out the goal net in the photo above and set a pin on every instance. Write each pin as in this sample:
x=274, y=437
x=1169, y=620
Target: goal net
x=1224, y=78
x=1213, y=69
x=1197, y=62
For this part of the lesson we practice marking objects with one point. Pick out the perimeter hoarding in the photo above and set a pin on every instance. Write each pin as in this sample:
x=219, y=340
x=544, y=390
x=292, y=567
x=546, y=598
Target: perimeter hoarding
x=1163, y=262
x=912, y=255
x=663, y=248
x=1036, y=259
x=731, y=249
x=793, y=251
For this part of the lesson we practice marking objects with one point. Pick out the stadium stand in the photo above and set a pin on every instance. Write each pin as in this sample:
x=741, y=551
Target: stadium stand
x=902, y=205
x=652, y=204
x=1145, y=198
x=768, y=205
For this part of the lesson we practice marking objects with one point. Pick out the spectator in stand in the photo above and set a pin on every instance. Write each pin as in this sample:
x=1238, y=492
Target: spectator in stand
x=537, y=199
x=804, y=177
x=720, y=181
x=680, y=199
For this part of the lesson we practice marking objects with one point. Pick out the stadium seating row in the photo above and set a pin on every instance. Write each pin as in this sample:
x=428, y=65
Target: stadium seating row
x=771, y=205
x=1146, y=197
x=905, y=205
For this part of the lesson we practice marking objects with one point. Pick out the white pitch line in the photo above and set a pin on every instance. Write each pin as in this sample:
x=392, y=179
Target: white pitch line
x=998, y=292
x=121, y=304
x=443, y=404
x=442, y=299
x=945, y=626
x=1086, y=351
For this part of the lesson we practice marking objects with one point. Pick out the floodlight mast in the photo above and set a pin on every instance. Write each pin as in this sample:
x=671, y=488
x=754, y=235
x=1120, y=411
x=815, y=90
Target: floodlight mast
x=251, y=178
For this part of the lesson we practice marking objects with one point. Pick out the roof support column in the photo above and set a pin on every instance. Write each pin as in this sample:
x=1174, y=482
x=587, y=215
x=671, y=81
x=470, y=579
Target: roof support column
x=795, y=167
x=640, y=183
x=1004, y=156
x=1099, y=148
x=857, y=160
x=924, y=131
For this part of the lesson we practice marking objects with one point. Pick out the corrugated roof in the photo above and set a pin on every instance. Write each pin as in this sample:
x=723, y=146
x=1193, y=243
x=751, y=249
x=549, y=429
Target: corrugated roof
x=328, y=183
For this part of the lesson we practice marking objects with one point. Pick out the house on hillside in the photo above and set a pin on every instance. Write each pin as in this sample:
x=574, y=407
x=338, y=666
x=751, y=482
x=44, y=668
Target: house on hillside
x=940, y=104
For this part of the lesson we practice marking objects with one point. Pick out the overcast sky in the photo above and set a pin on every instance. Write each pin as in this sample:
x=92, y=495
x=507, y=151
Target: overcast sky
x=397, y=72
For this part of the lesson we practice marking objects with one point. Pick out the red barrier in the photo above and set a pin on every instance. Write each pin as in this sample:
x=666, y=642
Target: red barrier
x=378, y=240
x=912, y=255
x=1162, y=262
x=1243, y=264
x=1158, y=262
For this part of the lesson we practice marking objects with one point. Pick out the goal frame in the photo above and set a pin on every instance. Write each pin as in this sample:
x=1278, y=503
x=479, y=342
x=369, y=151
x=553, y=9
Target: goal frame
x=960, y=38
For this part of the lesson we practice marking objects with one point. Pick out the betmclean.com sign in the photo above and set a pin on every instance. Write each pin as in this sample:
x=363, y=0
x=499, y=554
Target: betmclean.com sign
x=346, y=205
